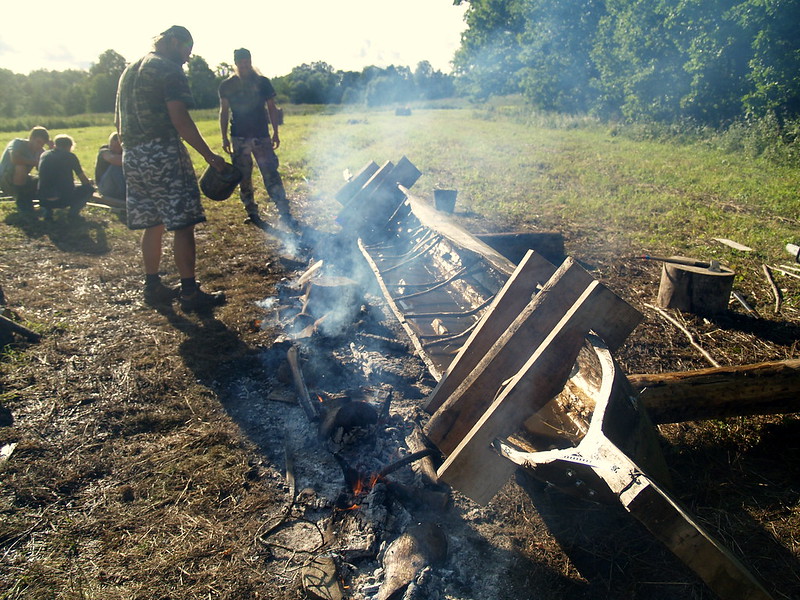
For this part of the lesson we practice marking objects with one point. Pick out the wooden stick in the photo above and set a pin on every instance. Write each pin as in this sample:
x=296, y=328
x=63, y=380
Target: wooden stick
x=782, y=272
x=7, y=324
x=775, y=290
x=305, y=401
x=743, y=302
x=688, y=334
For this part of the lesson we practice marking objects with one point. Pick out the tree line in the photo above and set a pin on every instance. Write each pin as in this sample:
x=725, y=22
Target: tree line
x=74, y=92
x=710, y=61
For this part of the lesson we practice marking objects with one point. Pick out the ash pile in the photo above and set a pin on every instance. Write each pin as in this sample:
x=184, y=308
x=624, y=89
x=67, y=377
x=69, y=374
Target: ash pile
x=364, y=517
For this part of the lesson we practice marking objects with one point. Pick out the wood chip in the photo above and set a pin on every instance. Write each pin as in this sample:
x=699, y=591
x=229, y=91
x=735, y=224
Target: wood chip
x=734, y=245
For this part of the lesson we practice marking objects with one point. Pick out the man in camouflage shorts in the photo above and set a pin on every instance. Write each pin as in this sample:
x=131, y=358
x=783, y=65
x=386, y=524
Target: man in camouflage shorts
x=153, y=101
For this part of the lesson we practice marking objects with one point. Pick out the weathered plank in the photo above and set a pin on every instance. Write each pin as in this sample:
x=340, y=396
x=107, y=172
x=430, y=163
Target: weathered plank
x=473, y=467
x=532, y=271
x=352, y=187
x=531, y=327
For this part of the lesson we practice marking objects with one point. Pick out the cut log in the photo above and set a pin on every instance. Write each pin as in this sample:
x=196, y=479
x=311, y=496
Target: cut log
x=716, y=393
x=427, y=470
x=694, y=289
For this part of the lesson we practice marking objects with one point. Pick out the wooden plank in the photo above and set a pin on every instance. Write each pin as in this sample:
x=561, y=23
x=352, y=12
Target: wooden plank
x=352, y=187
x=732, y=244
x=358, y=200
x=108, y=201
x=514, y=244
x=532, y=271
x=676, y=528
x=464, y=407
x=716, y=393
x=474, y=468
x=385, y=200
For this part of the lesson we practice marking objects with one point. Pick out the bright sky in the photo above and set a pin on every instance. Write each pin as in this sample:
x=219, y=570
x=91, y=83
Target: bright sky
x=346, y=34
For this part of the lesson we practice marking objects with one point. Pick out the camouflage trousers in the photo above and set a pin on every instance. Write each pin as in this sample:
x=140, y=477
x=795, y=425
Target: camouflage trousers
x=161, y=186
x=244, y=151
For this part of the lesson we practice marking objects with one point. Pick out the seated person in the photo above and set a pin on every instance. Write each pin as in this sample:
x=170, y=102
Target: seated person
x=19, y=157
x=56, y=186
x=108, y=169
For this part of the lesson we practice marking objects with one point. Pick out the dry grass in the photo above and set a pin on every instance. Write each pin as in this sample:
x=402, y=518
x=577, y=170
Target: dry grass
x=131, y=480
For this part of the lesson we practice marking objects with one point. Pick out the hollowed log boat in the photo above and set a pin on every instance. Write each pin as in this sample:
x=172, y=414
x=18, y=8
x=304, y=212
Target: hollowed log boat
x=576, y=421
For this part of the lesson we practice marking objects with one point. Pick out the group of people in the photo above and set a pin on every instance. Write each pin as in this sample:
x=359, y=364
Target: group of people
x=154, y=173
x=55, y=186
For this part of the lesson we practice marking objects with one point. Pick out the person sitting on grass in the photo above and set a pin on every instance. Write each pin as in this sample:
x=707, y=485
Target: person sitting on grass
x=108, y=169
x=57, y=188
x=19, y=157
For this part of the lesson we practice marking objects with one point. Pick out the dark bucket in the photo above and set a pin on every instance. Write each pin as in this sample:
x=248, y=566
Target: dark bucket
x=445, y=200
x=219, y=185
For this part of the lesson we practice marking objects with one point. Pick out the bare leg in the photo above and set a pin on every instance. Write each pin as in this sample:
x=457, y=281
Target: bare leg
x=185, y=251
x=151, y=249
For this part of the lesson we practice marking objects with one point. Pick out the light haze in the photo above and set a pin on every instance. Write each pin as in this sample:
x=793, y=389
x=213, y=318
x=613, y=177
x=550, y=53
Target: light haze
x=348, y=35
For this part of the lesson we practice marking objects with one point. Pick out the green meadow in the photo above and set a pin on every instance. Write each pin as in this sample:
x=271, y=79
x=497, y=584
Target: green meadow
x=528, y=171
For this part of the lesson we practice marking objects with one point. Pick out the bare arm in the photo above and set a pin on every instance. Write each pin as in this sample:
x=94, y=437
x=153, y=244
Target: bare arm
x=272, y=111
x=18, y=159
x=111, y=158
x=183, y=123
x=224, y=115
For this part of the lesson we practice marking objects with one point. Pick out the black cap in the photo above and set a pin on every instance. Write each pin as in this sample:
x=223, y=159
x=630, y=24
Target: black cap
x=240, y=54
x=177, y=31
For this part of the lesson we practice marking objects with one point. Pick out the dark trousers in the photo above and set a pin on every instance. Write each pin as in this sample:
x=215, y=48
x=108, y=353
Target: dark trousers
x=75, y=199
x=25, y=194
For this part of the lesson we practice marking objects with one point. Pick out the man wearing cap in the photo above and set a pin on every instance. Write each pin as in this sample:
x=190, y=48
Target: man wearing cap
x=152, y=116
x=248, y=98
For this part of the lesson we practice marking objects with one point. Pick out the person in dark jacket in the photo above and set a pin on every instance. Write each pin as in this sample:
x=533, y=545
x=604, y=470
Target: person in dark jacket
x=108, y=169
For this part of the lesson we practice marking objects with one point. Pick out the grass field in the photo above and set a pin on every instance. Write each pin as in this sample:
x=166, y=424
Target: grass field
x=137, y=469
x=553, y=174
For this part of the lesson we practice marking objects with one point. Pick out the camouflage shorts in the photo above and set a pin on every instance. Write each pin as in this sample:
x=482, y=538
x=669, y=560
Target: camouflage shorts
x=162, y=186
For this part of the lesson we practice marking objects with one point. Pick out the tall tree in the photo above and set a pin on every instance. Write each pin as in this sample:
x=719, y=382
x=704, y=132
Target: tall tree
x=488, y=60
x=202, y=82
x=557, y=72
x=775, y=64
x=103, y=78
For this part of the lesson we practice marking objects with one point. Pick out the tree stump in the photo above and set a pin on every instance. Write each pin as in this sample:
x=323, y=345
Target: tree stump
x=699, y=290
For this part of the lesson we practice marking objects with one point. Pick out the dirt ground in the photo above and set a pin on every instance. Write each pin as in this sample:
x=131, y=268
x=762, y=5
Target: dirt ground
x=148, y=454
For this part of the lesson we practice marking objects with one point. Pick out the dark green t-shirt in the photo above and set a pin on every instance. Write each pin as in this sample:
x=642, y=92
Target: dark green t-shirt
x=144, y=90
x=247, y=98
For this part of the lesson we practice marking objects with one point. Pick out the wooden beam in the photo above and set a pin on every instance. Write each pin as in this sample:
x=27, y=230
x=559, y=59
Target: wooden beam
x=512, y=349
x=352, y=187
x=473, y=467
x=716, y=393
x=533, y=271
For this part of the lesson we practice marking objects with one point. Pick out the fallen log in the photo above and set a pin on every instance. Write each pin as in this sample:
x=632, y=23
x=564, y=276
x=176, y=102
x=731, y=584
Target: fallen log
x=721, y=392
